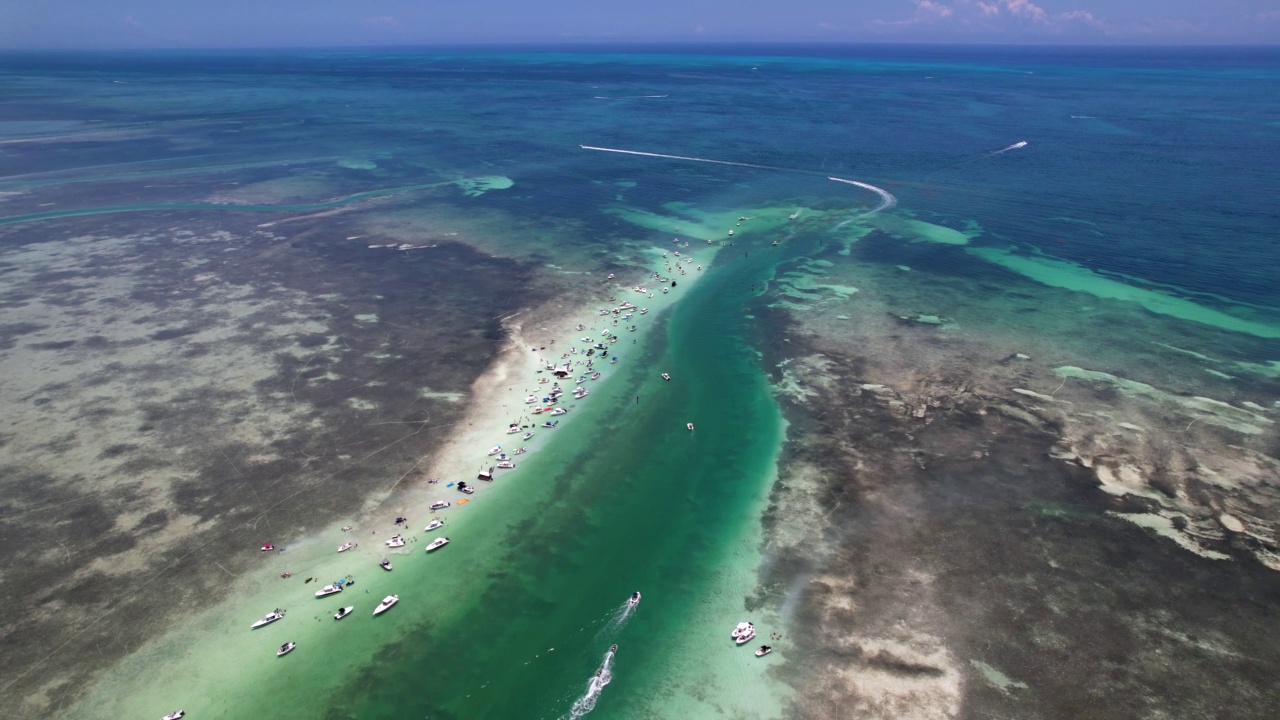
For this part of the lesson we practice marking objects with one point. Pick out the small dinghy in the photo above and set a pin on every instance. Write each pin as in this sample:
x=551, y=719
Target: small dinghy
x=385, y=565
x=343, y=612
x=439, y=505
x=437, y=544
x=438, y=522
x=175, y=715
x=346, y=546
x=267, y=619
x=327, y=590
x=286, y=648
x=386, y=604
x=396, y=541
x=763, y=650
x=666, y=376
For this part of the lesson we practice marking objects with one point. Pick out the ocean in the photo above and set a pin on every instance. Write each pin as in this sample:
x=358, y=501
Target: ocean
x=248, y=294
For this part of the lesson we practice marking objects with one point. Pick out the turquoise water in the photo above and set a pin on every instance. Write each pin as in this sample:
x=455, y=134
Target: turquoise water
x=1153, y=173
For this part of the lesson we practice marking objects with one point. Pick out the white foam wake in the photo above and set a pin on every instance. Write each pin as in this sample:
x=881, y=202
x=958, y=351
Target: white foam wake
x=684, y=157
x=887, y=200
x=595, y=686
x=1015, y=146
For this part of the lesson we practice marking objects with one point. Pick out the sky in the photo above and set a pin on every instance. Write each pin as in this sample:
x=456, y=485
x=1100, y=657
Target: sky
x=87, y=24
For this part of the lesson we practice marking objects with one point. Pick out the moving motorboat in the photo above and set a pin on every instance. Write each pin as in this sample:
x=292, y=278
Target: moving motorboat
x=386, y=604
x=286, y=648
x=507, y=465
x=396, y=541
x=343, y=612
x=690, y=426
x=463, y=487
x=437, y=544
x=346, y=546
x=175, y=715
x=666, y=376
x=267, y=619
x=763, y=650
x=634, y=599
x=438, y=522
x=330, y=589
x=385, y=565
x=439, y=505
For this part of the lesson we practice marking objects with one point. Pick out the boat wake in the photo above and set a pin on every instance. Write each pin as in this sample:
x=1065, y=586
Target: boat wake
x=887, y=200
x=618, y=620
x=1016, y=146
x=595, y=686
x=686, y=157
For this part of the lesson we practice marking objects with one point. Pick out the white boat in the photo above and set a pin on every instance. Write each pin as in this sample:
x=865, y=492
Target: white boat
x=550, y=423
x=559, y=411
x=520, y=451
x=742, y=629
x=747, y=638
x=495, y=449
x=531, y=400
x=644, y=311
x=763, y=650
x=690, y=426
x=343, y=612
x=267, y=619
x=385, y=565
x=634, y=599
x=327, y=590
x=580, y=395
x=396, y=541
x=346, y=546
x=386, y=604
x=439, y=505
x=463, y=487
x=595, y=376
x=436, y=544
x=175, y=715
x=286, y=648
x=511, y=430
x=528, y=435
x=666, y=376
x=507, y=465
x=438, y=522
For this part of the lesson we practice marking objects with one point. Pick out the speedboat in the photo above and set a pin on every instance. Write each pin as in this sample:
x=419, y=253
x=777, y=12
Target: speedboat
x=267, y=619
x=463, y=487
x=595, y=376
x=579, y=394
x=507, y=465
x=690, y=426
x=267, y=547
x=763, y=650
x=512, y=430
x=386, y=604
x=439, y=504
x=331, y=589
x=550, y=423
x=531, y=400
x=666, y=376
x=437, y=544
x=635, y=599
x=286, y=648
x=343, y=612
x=175, y=715
x=438, y=522
x=528, y=435
x=742, y=629
x=385, y=565
x=644, y=311
x=559, y=411
x=396, y=541
x=495, y=449
x=346, y=546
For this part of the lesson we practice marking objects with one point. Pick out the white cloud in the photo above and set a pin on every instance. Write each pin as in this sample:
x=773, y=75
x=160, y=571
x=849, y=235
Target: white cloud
x=988, y=9
x=1027, y=9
